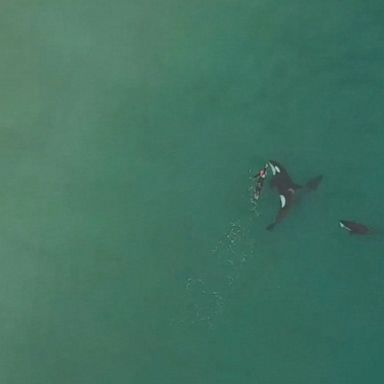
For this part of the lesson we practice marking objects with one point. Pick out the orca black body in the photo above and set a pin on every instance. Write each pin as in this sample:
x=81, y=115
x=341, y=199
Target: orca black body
x=287, y=189
x=286, y=201
x=355, y=228
x=281, y=179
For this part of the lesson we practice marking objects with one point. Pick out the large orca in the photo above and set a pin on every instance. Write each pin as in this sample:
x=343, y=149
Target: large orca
x=287, y=189
x=281, y=179
x=355, y=228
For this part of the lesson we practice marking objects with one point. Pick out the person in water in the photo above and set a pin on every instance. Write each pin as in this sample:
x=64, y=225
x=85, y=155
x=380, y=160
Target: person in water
x=260, y=179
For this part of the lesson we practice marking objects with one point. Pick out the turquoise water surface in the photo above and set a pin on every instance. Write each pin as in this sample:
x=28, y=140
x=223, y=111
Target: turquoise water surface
x=131, y=250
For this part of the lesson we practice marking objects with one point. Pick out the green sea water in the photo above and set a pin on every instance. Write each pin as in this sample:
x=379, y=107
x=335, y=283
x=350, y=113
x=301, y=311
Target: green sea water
x=131, y=251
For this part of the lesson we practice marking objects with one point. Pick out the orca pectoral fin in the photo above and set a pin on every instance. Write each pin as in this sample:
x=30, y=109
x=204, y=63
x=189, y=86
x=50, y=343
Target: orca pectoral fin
x=314, y=183
x=297, y=186
x=270, y=227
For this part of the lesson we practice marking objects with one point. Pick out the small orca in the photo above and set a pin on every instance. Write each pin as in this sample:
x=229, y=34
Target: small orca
x=355, y=228
x=287, y=189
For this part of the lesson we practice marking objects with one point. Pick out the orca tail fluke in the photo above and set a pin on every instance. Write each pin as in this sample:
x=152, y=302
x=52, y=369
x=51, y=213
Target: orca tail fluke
x=374, y=232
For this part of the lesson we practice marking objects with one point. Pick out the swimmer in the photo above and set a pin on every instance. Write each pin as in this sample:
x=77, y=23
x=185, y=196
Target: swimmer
x=260, y=178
